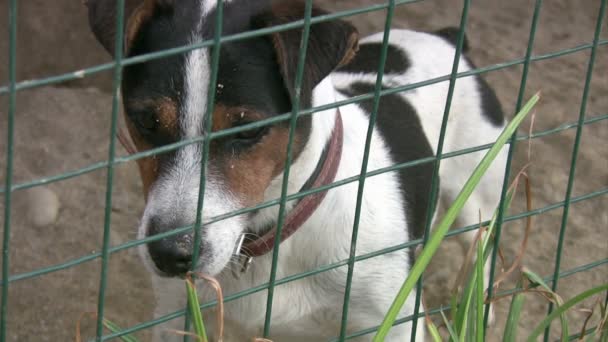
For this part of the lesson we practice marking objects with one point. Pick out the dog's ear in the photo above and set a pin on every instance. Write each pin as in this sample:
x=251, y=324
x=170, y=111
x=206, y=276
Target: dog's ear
x=102, y=19
x=330, y=45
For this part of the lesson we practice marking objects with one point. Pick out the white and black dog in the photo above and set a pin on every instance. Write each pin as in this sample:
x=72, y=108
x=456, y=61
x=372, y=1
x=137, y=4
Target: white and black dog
x=165, y=101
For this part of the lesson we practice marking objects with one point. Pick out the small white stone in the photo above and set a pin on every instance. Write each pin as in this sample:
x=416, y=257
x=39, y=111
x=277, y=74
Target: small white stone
x=42, y=206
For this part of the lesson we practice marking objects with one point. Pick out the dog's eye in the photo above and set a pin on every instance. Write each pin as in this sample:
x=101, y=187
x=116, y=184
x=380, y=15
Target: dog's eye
x=149, y=127
x=250, y=136
x=146, y=123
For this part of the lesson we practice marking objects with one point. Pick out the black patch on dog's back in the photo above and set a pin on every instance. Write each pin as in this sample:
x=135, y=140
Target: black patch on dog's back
x=490, y=105
x=366, y=60
x=399, y=124
x=451, y=35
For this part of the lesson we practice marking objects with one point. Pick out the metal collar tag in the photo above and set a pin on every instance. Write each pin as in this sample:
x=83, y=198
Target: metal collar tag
x=242, y=262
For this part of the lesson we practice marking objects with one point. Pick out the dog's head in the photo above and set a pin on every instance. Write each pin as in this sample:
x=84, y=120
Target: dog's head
x=165, y=101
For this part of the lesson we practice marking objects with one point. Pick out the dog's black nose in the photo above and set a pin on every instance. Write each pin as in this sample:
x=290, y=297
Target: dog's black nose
x=172, y=255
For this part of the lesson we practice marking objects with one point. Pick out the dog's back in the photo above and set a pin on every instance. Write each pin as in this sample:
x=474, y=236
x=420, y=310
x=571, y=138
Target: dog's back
x=395, y=205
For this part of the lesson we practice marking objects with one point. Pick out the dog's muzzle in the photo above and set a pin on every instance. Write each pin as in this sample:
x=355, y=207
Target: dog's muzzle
x=171, y=255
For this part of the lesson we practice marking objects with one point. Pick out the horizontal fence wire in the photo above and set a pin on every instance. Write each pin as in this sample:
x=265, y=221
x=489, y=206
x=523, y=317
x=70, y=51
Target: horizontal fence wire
x=168, y=317
x=194, y=46
x=412, y=243
x=296, y=196
x=579, y=335
x=136, y=156
x=119, y=63
x=284, y=117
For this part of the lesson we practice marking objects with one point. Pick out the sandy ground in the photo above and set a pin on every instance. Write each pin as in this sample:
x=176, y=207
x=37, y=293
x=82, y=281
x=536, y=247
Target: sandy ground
x=66, y=127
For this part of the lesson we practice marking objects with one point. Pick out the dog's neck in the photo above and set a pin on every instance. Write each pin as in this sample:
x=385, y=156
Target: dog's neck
x=303, y=167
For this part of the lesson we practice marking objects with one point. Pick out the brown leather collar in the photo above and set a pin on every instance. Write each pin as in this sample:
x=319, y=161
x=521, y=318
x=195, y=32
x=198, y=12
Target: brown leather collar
x=324, y=174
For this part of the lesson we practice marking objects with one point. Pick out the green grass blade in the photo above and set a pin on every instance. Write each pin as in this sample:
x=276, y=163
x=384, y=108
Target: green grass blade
x=450, y=216
x=195, y=310
x=590, y=337
x=563, y=308
x=517, y=303
x=116, y=329
x=458, y=311
x=489, y=238
x=602, y=328
x=465, y=314
x=492, y=225
x=448, y=325
x=461, y=313
x=433, y=330
x=479, y=326
x=565, y=328
x=535, y=278
x=454, y=306
x=470, y=336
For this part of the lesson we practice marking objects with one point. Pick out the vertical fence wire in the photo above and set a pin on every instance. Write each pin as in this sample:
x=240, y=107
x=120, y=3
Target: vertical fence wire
x=118, y=52
x=8, y=182
x=505, y=184
x=577, y=141
x=362, y=175
x=438, y=155
x=295, y=101
x=215, y=58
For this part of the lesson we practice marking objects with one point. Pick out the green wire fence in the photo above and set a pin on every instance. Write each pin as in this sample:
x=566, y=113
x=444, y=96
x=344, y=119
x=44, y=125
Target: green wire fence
x=120, y=62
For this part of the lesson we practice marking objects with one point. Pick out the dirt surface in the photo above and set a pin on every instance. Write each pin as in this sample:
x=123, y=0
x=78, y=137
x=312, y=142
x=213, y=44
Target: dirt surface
x=66, y=127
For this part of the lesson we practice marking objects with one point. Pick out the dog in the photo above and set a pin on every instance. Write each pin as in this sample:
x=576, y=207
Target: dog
x=166, y=101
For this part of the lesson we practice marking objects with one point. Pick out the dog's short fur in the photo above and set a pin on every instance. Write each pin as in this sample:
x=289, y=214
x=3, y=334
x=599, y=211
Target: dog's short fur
x=165, y=101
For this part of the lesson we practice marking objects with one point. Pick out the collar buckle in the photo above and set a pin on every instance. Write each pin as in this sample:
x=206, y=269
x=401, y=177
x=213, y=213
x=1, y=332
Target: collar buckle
x=242, y=262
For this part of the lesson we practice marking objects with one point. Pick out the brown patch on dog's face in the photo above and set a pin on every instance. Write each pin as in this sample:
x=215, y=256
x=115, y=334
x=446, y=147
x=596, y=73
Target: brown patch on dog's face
x=148, y=167
x=248, y=170
x=162, y=113
x=247, y=161
x=162, y=110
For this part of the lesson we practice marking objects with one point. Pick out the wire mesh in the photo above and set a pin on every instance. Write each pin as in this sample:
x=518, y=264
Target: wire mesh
x=296, y=98
x=573, y=163
x=6, y=234
x=432, y=203
x=119, y=63
x=368, y=139
x=505, y=185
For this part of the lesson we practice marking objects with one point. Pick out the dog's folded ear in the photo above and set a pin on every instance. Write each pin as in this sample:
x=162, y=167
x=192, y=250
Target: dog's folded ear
x=330, y=44
x=102, y=19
